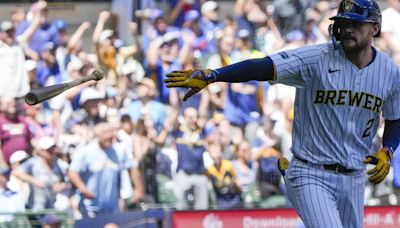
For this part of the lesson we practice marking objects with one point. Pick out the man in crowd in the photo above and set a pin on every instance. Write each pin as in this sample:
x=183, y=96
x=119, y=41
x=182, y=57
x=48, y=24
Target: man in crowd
x=96, y=172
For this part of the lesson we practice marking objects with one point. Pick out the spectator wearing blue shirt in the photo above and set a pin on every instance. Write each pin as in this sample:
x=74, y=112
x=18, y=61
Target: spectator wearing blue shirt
x=47, y=32
x=163, y=56
x=158, y=27
x=192, y=27
x=179, y=8
x=48, y=71
x=147, y=105
x=211, y=24
x=190, y=174
x=96, y=172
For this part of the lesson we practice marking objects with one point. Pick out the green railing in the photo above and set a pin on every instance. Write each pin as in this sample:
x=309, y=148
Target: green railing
x=28, y=219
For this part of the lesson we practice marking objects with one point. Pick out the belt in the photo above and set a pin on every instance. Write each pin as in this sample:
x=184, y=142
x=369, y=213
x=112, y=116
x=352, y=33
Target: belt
x=332, y=167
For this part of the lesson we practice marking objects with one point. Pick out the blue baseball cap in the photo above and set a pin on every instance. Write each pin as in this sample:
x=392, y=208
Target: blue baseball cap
x=192, y=15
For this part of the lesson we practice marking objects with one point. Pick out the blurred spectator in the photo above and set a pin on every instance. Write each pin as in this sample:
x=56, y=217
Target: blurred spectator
x=15, y=79
x=14, y=131
x=211, y=23
x=226, y=45
x=36, y=120
x=104, y=44
x=44, y=175
x=179, y=8
x=147, y=105
x=70, y=47
x=192, y=28
x=159, y=26
x=50, y=221
x=246, y=174
x=223, y=179
x=268, y=36
x=89, y=116
x=31, y=70
x=48, y=70
x=290, y=14
x=268, y=175
x=163, y=57
x=96, y=172
x=46, y=31
x=390, y=28
x=146, y=144
x=250, y=15
x=18, y=15
x=15, y=183
x=243, y=104
x=190, y=178
x=11, y=201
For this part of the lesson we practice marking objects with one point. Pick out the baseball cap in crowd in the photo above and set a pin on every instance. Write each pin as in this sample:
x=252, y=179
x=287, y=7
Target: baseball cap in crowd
x=156, y=14
x=208, y=6
x=90, y=93
x=18, y=156
x=50, y=219
x=192, y=15
x=243, y=34
x=6, y=26
x=106, y=34
x=46, y=142
x=169, y=37
x=60, y=24
x=49, y=47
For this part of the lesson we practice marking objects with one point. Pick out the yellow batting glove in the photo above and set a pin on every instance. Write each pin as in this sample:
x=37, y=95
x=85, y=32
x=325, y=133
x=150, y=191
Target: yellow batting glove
x=381, y=160
x=196, y=80
x=283, y=165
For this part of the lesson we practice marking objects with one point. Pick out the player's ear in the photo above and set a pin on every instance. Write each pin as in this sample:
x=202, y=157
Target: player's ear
x=376, y=29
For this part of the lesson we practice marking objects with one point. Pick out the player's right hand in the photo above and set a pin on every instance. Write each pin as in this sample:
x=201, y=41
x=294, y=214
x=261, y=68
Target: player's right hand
x=195, y=80
x=381, y=160
x=283, y=165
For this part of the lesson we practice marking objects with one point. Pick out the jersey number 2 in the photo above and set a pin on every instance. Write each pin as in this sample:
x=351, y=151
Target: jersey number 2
x=367, y=130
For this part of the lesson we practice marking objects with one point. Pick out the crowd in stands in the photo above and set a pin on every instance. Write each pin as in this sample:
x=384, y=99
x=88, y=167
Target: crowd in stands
x=129, y=142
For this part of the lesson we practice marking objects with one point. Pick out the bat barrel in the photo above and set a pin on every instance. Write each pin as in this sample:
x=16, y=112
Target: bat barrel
x=38, y=95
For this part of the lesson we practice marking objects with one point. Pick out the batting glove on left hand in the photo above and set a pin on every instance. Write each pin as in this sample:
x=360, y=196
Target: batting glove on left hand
x=196, y=80
x=381, y=160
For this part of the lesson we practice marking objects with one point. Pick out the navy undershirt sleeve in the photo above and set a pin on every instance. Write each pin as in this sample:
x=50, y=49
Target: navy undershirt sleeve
x=260, y=69
x=391, y=134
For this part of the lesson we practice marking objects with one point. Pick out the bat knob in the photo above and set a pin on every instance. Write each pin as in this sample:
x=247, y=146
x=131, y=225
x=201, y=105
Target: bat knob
x=31, y=99
x=98, y=75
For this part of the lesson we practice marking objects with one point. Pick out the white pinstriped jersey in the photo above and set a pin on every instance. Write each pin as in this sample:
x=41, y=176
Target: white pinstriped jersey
x=337, y=105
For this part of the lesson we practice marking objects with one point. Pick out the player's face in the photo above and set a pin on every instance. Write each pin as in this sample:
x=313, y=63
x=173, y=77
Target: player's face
x=356, y=35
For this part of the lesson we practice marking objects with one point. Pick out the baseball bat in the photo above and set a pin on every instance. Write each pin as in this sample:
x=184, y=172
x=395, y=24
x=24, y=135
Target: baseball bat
x=41, y=94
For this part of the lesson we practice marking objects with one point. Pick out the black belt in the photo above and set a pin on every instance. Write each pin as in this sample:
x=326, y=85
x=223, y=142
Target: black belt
x=333, y=167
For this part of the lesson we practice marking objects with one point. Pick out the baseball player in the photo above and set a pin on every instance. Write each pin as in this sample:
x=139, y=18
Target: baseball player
x=342, y=87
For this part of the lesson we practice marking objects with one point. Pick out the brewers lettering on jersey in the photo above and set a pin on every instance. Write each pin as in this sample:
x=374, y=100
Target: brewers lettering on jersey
x=342, y=88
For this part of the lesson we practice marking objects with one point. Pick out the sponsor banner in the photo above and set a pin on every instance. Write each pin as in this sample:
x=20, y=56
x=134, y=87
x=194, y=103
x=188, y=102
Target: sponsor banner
x=374, y=217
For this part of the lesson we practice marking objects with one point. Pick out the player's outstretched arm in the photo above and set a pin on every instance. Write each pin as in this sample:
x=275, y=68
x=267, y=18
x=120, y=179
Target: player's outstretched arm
x=261, y=69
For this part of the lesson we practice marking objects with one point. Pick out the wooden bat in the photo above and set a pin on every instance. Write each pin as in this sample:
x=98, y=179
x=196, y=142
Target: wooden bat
x=42, y=94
